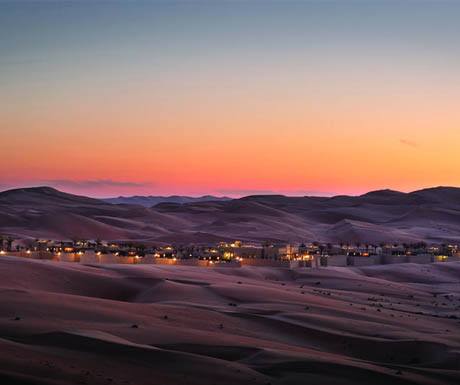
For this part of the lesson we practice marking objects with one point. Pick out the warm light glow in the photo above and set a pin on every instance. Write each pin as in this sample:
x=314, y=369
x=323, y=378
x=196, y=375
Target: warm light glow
x=253, y=88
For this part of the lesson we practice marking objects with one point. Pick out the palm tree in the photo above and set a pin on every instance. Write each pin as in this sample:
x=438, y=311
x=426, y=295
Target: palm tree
x=141, y=249
x=374, y=246
x=9, y=243
x=423, y=246
x=98, y=242
x=321, y=249
x=74, y=240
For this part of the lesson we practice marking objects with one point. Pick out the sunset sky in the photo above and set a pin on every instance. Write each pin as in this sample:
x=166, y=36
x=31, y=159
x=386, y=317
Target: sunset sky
x=230, y=98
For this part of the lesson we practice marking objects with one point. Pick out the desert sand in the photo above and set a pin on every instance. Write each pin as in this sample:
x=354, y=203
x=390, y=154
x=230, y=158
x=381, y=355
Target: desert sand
x=64, y=323
x=430, y=215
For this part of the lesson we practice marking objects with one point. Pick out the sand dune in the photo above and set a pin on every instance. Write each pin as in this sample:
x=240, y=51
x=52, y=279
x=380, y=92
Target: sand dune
x=63, y=323
x=431, y=215
x=149, y=201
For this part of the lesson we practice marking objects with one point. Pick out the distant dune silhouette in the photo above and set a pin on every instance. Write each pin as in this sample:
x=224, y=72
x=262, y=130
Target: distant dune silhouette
x=149, y=201
x=431, y=215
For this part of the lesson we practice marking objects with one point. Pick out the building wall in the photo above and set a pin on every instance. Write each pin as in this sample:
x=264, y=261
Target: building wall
x=15, y=254
x=194, y=262
x=189, y=262
x=166, y=261
x=68, y=257
x=128, y=260
x=89, y=257
x=228, y=264
x=390, y=259
x=148, y=259
x=271, y=253
x=336, y=260
x=36, y=254
x=364, y=261
x=440, y=258
x=46, y=255
x=247, y=252
x=420, y=258
x=264, y=262
x=108, y=258
x=296, y=264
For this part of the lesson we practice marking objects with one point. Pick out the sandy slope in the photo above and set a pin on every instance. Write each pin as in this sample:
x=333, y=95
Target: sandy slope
x=63, y=323
x=432, y=215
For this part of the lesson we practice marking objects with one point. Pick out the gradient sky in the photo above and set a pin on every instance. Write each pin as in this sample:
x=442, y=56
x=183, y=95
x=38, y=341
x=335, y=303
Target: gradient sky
x=230, y=98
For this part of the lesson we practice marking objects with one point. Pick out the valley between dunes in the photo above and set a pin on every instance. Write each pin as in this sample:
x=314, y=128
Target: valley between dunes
x=63, y=323
x=430, y=215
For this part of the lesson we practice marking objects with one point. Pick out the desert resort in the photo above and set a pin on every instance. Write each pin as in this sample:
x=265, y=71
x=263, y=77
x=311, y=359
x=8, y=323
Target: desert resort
x=234, y=254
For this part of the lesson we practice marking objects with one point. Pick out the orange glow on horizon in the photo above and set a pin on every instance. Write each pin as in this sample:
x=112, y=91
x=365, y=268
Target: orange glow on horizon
x=288, y=109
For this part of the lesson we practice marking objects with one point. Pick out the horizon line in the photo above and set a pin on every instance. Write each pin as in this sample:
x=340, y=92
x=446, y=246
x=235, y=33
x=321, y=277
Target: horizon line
x=226, y=196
